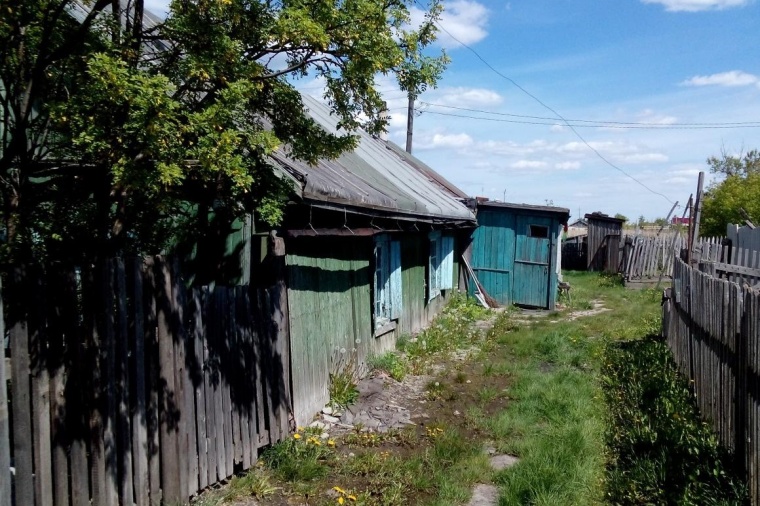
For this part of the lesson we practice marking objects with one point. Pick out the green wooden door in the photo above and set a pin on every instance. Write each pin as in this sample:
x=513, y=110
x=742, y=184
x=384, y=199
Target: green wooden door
x=532, y=270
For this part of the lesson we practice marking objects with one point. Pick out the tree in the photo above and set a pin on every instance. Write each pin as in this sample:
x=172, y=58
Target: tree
x=724, y=200
x=621, y=217
x=729, y=165
x=122, y=132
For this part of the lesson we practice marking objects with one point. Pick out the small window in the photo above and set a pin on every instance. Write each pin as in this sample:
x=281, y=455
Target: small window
x=539, y=232
x=387, y=281
x=441, y=264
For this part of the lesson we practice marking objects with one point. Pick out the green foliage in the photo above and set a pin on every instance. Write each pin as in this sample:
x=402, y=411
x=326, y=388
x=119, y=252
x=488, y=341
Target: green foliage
x=724, y=200
x=392, y=363
x=342, y=389
x=120, y=136
x=301, y=457
x=662, y=452
x=452, y=329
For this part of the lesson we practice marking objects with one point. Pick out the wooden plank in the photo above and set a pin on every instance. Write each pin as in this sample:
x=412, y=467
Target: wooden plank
x=262, y=432
x=80, y=386
x=210, y=371
x=121, y=373
x=185, y=418
x=21, y=392
x=244, y=392
x=62, y=338
x=250, y=368
x=153, y=377
x=168, y=400
x=5, y=448
x=219, y=413
x=279, y=314
x=228, y=334
x=141, y=364
x=196, y=334
x=108, y=360
x=38, y=341
x=234, y=376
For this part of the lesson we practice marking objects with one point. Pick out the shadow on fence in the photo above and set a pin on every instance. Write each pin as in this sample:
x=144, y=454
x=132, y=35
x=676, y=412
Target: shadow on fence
x=128, y=387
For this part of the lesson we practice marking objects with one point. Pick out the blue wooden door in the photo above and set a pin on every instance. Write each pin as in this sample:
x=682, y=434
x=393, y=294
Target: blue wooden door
x=533, y=248
x=492, y=254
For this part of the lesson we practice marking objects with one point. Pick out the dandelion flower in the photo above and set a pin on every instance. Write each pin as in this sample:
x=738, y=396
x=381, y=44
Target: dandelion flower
x=341, y=500
x=339, y=490
x=296, y=436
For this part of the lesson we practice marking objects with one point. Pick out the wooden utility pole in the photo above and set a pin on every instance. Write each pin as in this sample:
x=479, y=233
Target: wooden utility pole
x=697, y=215
x=410, y=123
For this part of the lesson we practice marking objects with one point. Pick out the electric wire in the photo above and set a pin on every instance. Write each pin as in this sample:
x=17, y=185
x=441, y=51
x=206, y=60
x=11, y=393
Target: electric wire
x=539, y=101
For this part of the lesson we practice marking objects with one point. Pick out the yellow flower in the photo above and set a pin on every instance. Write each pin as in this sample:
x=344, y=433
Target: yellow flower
x=339, y=490
x=331, y=443
x=341, y=500
x=352, y=497
x=296, y=436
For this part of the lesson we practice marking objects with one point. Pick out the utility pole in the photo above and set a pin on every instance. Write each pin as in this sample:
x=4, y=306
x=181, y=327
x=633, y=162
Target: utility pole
x=410, y=123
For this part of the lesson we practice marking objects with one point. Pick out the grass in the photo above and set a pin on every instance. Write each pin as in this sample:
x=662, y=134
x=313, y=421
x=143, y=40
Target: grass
x=661, y=449
x=560, y=394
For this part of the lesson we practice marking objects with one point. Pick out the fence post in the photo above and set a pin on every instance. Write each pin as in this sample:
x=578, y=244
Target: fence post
x=5, y=450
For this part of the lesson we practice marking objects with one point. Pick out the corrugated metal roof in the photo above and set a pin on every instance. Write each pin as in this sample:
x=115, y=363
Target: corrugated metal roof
x=528, y=207
x=374, y=177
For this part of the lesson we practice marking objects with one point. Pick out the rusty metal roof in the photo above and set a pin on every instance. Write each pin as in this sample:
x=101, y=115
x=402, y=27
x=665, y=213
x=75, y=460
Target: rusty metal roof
x=374, y=176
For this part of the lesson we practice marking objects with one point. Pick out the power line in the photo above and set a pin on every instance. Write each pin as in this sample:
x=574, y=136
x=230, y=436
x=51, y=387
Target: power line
x=558, y=115
x=602, y=124
x=598, y=125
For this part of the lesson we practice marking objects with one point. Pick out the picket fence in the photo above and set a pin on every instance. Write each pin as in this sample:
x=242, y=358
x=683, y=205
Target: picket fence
x=711, y=320
x=126, y=387
x=650, y=256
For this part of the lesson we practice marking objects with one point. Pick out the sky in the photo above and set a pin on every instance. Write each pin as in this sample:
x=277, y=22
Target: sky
x=495, y=126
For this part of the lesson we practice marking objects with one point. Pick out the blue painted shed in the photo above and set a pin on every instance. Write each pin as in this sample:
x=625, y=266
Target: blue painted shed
x=515, y=252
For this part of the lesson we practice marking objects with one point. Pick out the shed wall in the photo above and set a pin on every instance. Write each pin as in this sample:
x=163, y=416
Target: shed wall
x=513, y=267
x=603, y=245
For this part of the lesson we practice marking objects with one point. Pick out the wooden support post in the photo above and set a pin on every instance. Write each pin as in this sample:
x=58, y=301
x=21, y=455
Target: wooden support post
x=697, y=215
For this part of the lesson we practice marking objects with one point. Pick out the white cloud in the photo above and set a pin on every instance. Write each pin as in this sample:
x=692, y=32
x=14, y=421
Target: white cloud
x=567, y=165
x=697, y=5
x=636, y=158
x=557, y=128
x=464, y=20
x=443, y=141
x=465, y=97
x=527, y=164
x=731, y=78
x=650, y=116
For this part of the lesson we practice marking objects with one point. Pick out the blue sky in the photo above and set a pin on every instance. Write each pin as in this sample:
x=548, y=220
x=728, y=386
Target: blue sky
x=663, y=62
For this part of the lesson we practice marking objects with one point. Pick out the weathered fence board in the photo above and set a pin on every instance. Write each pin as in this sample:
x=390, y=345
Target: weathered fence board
x=129, y=388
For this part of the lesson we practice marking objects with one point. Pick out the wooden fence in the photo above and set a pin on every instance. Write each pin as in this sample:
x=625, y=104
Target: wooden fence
x=712, y=325
x=650, y=257
x=128, y=388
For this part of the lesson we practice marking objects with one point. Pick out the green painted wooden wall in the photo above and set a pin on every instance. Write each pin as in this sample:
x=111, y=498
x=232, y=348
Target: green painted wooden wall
x=330, y=315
